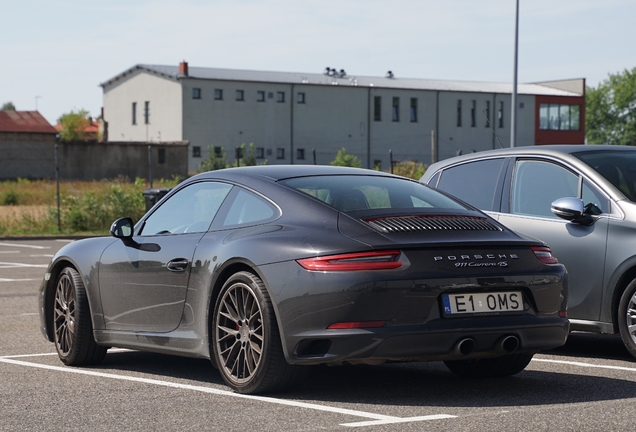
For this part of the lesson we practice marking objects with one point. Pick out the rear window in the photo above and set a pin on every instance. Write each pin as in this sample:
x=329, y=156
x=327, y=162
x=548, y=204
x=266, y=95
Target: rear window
x=354, y=193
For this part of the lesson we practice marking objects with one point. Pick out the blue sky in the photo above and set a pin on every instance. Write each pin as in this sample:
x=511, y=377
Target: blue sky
x=56, y=53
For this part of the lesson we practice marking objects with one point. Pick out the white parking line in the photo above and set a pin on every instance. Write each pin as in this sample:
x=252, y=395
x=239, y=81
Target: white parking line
x=42, y=256
x=24, y=246
x=587, y=365
x=10, y=252
x=17, y=280
x=377, y=419
x=8, y=265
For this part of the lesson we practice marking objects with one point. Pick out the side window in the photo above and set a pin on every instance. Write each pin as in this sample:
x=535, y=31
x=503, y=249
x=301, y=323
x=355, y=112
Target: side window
x=592, y=195
x=537, y=184
x=191, y=209
x=248, y=209
x=475, y=182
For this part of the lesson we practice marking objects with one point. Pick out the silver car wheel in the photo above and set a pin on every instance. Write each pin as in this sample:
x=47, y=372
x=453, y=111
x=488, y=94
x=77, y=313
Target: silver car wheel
x=64, y=315
x=240, y=337
x=631, y=317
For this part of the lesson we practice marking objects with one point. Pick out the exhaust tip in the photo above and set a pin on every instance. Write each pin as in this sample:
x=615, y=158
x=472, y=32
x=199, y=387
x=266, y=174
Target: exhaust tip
x=507, y=344
x=464, y=347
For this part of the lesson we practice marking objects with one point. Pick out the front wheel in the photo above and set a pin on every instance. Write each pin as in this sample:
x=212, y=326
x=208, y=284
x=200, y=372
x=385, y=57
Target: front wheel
x=627, y=318
x=507, y=365
x=72, y=324
x=245, y=339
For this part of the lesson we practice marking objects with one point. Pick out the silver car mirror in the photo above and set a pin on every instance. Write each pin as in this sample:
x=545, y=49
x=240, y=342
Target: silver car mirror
x=572, y=209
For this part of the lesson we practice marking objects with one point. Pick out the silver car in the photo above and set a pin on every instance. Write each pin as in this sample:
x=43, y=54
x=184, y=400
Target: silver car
x=581, y=200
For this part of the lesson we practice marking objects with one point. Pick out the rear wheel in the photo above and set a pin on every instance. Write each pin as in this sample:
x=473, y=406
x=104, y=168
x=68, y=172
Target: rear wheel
x=72, y=324
x=246, y=343
x=627, y=318
x=507, y=365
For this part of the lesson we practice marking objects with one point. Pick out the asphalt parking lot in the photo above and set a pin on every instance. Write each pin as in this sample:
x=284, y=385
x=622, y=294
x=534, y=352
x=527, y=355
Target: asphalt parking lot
x=589, y=384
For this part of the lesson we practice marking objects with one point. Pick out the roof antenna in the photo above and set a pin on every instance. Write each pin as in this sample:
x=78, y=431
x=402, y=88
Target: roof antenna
x=492, y=128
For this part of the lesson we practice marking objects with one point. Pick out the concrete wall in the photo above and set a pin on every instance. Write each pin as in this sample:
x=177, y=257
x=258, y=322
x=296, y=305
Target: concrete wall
x=27, y=155
x=97, y=161
x=32, y=156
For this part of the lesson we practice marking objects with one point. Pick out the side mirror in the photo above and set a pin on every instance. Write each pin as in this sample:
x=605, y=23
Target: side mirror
x=122, y=228
x=572, y=209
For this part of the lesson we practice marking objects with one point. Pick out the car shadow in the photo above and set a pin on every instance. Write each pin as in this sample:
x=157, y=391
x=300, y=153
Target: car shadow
x=594, y=345
x=399, y=384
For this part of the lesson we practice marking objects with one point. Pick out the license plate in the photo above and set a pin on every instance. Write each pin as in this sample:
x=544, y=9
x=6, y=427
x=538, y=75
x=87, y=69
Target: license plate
x=493, y=302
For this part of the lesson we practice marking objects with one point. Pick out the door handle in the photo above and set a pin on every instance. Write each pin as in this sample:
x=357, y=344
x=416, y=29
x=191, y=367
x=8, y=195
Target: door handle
x=177, y=265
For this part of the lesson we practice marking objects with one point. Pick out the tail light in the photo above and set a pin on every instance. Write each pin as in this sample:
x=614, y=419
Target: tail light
x=356, y=325
x=374, y=260
x=544, y=254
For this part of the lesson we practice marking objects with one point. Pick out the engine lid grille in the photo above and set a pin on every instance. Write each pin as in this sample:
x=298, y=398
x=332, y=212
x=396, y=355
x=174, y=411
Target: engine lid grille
x=395, y=224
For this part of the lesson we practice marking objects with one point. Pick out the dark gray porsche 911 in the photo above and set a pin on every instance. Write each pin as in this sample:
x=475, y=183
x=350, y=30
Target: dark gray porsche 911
x=267, y=269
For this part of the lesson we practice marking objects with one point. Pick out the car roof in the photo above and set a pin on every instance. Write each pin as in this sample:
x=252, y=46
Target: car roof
x=545, y=150
x=280, y=172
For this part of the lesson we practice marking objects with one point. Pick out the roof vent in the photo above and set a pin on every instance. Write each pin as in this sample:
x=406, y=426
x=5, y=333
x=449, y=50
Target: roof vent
x=389, y=74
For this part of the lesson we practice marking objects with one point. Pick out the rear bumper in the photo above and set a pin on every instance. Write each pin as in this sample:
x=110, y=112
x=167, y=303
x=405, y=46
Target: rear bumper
x=431, y=342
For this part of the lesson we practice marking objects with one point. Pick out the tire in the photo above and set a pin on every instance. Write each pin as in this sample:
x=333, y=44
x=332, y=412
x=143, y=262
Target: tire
x=72, y=326
x=627, y=318
x=504, y=366
x=246, y=342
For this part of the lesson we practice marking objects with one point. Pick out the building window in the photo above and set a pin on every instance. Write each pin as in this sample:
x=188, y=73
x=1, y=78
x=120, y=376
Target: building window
x=134, y=113
x=270, y=95
x=459, y=113
x=280, y=98
x=473, y=114
x=260, y=153
x=487, y=113
x=240, y=95
x=377, y=108
x=377, y=164
x=196, y=151
x=161, y=155
x=559, y=117
x=147, y=112
x=413, y=110
x=196, y=93
x=218, y=94
x=260, y=96
x=300, y=98
x=280, y=153
x=218, y=151
x=395, y=109
x=500, y=117
x=300, y=154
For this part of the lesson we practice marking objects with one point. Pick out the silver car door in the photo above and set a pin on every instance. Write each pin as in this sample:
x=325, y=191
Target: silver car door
x=535, y=185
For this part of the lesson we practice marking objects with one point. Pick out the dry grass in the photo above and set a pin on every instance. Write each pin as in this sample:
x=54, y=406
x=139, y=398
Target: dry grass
x=30, y=206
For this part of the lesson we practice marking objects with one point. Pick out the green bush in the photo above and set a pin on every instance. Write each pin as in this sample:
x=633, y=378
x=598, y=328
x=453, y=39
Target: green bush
x=345, y=159
x=10, y=197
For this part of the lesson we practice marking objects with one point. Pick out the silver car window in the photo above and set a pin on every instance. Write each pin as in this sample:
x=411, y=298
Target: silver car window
x=536, y=184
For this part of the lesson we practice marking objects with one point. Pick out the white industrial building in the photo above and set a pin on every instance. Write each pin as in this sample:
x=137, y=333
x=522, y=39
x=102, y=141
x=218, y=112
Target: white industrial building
x=292, y=116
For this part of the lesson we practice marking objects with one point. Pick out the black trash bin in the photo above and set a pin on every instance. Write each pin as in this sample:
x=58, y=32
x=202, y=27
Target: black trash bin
x=153, y=196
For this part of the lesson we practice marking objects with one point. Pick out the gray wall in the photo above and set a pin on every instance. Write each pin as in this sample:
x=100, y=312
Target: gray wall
x=27, y=155
x=32, y=156
x=97, y=161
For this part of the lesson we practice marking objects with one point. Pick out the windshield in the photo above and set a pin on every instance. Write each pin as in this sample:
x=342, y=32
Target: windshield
x=618, y=167
x=349, y=193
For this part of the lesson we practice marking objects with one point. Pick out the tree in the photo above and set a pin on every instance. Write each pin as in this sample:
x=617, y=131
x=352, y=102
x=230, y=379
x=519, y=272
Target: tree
x=213, y=161
x=611, y=110
x=8, y=106
x=345, y=159
x=73, y=125
x=248, y=155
